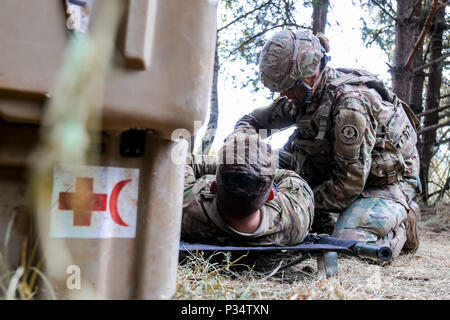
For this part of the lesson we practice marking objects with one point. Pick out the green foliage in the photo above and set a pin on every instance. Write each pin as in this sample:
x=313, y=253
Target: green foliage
x=379, y=26
x=244, y=27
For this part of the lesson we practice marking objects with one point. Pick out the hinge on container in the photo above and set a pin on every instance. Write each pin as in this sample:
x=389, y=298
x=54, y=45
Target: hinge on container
x=132, y=142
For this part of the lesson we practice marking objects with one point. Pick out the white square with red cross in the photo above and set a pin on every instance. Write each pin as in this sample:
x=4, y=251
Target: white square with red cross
x=94, y=202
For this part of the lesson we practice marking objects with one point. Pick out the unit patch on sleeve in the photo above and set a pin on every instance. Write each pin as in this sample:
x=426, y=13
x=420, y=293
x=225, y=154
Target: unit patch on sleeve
x=349, y=134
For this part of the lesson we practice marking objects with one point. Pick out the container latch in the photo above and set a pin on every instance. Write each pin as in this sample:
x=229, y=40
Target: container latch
x=132, y=143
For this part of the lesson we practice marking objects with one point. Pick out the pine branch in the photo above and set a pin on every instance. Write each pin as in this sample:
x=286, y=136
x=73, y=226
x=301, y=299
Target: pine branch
x=443, y=189
x=444, y=141
x=390, y=7
x=249, y=40
x=431, y=63
x=244, y=15
x=434, y=127
x=382, y=8
x=443, y=4
x=422, y=35
x=415, y=7
x=377, y=34
x=433, y=110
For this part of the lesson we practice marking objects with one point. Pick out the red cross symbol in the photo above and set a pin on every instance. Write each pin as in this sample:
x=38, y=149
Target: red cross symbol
x=83, y=201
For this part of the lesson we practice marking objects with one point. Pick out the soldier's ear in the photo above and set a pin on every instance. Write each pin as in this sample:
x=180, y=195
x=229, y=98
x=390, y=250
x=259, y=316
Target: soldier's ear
x=271, y=195
x=213, y=187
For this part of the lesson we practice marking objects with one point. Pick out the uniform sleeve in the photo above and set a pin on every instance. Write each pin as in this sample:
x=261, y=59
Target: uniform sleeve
x=197, y=179
x=354, y=140
x=199, y=172
x=294, y=204
x=194, y=223
x=281, y=113
x=198, y=165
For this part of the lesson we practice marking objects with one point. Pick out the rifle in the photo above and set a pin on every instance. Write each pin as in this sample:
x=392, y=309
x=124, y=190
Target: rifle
x=324, y=247
x=358, y=248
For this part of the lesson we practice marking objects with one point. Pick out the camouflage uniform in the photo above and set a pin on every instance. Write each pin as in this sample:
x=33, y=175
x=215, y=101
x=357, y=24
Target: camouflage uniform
x=285, y=220
x=355, y=145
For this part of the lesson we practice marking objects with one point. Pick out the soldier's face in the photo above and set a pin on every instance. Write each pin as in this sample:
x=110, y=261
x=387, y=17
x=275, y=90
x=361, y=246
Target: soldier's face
x=295, y=94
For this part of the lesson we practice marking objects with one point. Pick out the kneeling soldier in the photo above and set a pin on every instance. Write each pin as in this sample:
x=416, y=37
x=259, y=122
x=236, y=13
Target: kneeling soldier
x=355, y=142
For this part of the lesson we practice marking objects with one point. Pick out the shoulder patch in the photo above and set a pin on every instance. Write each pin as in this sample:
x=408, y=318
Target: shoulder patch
x=349, y=134
x=349, y=131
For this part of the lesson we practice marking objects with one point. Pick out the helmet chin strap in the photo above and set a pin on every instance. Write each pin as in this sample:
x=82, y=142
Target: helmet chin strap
x=310, y=89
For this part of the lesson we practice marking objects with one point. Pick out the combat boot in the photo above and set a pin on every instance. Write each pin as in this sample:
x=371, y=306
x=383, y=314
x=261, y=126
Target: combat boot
x=412, y=228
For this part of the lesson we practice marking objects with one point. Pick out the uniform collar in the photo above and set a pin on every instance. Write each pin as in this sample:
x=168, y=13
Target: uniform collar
x=213, y=213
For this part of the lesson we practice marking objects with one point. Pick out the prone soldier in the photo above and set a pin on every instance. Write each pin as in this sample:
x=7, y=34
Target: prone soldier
x=241, y=198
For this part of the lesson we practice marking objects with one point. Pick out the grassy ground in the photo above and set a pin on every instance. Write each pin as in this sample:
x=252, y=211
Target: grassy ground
x=425, y=275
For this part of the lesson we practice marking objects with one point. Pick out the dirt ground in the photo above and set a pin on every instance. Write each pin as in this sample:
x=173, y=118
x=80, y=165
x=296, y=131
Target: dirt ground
x=423, y=276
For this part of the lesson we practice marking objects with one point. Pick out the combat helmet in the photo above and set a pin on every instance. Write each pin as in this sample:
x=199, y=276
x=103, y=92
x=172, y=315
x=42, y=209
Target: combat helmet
x=289, y=57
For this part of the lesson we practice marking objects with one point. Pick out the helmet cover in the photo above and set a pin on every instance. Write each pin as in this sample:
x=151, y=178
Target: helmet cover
x=288, y=57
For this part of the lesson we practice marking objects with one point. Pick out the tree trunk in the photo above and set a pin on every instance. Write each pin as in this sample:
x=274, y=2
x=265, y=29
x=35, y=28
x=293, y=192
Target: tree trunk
x=432, y=99
x=418, y=77
x=405, y=31
x=319, y=16
x=211, y=128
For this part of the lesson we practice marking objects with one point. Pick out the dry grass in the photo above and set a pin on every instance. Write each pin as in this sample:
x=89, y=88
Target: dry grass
x=425, y=275
x=20, y=283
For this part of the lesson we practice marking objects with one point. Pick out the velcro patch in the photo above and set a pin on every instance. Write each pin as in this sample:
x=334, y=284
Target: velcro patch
x=349, y=131
x=349, y=134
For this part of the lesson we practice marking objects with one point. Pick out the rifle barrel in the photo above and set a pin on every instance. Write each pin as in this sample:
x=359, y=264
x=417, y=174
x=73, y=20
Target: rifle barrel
x=358, y=248
x=382, y=253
